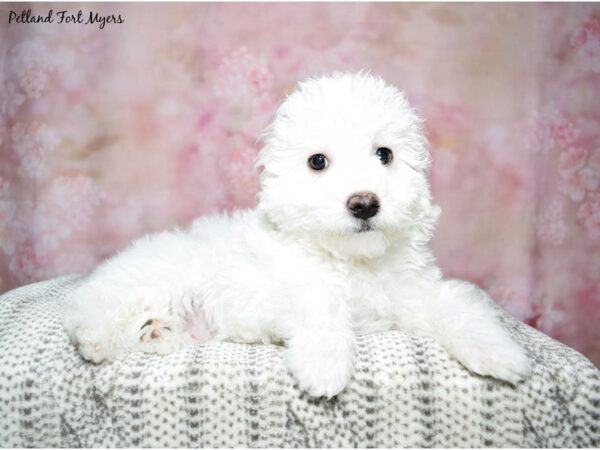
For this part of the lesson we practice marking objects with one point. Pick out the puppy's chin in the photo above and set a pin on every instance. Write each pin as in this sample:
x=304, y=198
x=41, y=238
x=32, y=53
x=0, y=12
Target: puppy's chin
x=363, y=243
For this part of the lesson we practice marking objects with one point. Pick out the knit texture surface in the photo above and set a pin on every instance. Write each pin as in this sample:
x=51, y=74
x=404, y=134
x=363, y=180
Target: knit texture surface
x=406, y=392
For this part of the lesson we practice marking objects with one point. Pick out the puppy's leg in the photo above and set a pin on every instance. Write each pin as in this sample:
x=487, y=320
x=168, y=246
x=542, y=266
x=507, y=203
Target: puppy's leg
x=320, y=343
x=136, y=300
x=461, y=317
x=104, y=322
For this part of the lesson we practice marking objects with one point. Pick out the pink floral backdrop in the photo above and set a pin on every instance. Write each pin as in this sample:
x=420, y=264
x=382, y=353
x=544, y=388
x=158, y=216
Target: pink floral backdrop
x=107, y=134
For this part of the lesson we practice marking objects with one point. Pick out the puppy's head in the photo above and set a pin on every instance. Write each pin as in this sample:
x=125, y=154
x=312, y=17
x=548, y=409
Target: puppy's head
x=345, y=164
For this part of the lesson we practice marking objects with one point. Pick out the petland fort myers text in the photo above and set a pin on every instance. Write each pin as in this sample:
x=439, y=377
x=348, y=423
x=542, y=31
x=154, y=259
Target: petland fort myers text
x=65, y=17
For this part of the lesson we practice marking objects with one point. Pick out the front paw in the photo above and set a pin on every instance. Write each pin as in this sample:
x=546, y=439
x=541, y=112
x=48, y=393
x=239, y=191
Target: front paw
x=321, y=362
x=496, y=355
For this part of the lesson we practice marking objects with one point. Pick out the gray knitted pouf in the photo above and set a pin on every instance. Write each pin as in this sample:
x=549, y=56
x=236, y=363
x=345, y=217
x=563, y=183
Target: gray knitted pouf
x=406, y=392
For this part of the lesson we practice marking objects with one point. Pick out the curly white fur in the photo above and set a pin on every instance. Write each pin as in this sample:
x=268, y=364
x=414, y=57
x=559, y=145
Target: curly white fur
x=300, y=268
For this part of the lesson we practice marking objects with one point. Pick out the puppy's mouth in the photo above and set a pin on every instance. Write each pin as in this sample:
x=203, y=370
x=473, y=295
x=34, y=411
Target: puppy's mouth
x=364, y=227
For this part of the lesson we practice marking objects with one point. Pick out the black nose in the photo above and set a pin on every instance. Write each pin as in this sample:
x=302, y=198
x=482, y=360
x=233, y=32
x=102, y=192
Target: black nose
x=363, y=205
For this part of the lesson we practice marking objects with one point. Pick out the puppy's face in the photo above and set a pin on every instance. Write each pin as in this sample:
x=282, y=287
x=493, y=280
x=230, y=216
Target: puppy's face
x=345, y=165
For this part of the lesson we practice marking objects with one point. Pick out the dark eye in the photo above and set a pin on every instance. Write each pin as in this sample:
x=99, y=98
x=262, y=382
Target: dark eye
x=318, y=161
x=385, y=155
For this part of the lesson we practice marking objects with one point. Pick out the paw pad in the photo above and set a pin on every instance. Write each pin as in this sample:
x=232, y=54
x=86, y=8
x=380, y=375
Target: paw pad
x=152, y=330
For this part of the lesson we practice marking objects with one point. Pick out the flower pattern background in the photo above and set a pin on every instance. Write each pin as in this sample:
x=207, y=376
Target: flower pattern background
x=107, y=134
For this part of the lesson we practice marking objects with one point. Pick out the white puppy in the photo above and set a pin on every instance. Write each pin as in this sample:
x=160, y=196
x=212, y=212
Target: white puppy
x=338, y=246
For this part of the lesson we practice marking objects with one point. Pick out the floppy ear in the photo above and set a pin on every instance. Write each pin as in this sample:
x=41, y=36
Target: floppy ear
x=266, y=151
x=414, y=144
x=426, y=215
